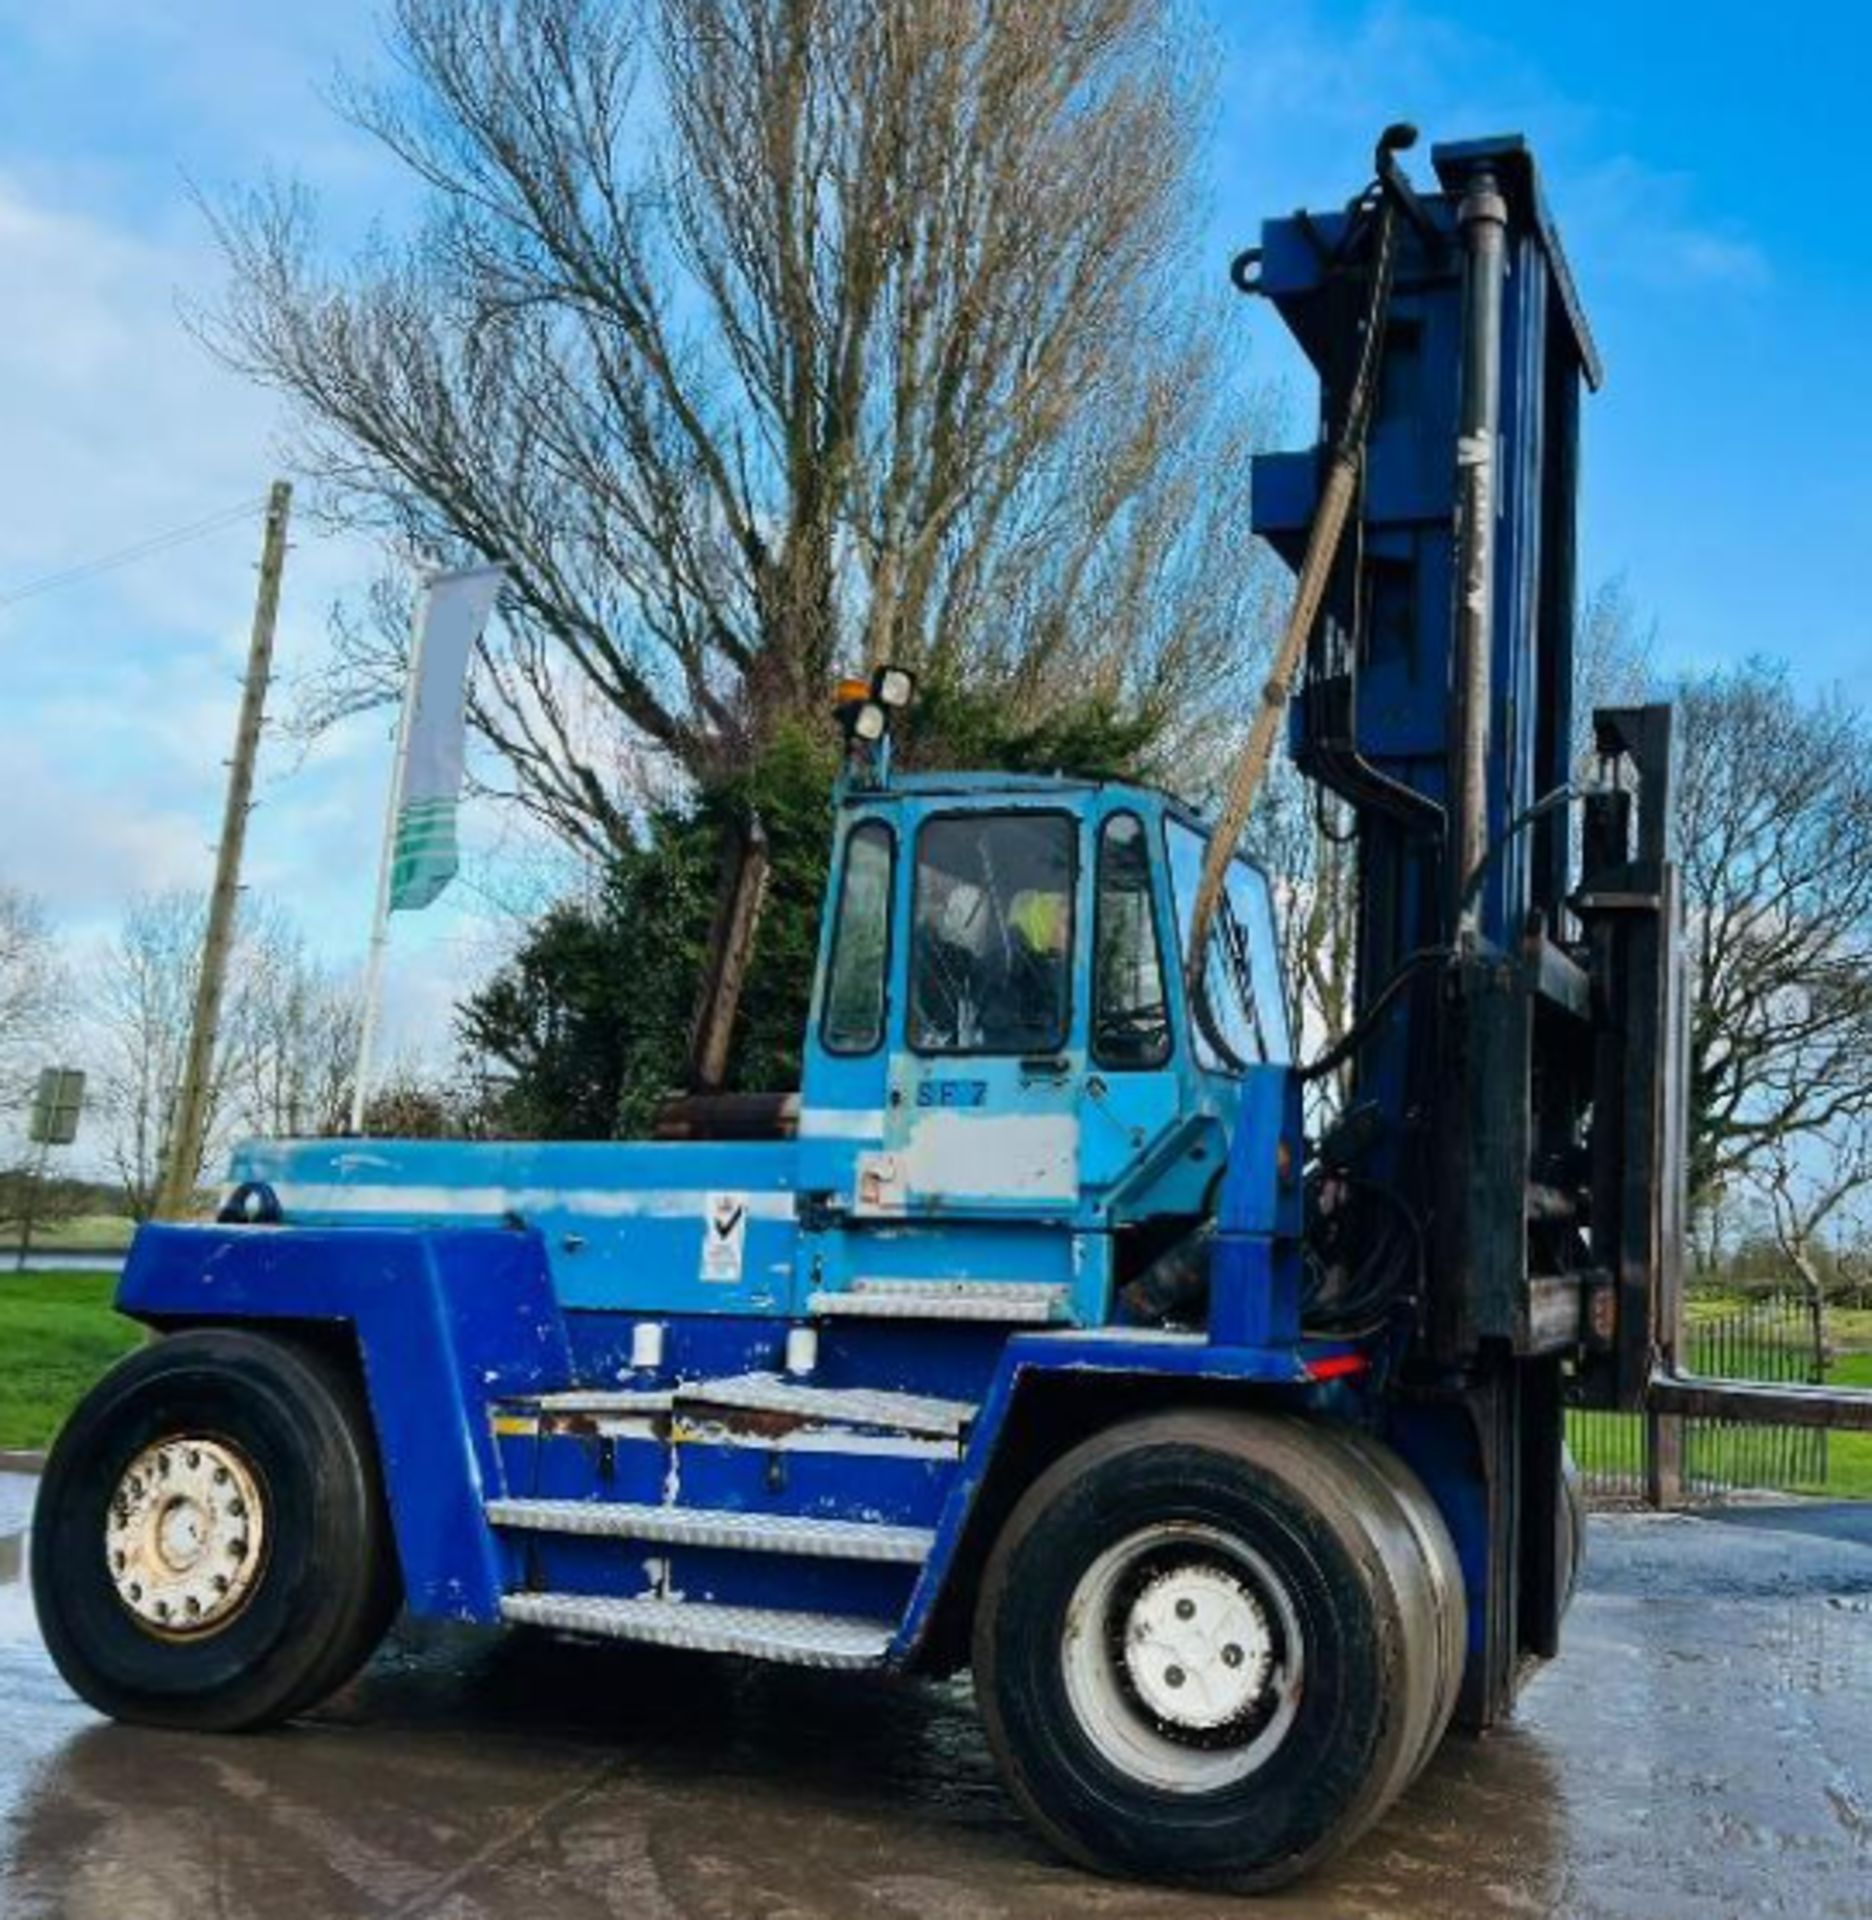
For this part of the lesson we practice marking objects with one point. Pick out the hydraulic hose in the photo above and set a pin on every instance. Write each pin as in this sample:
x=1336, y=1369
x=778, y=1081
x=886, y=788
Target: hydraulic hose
x=1322, y=550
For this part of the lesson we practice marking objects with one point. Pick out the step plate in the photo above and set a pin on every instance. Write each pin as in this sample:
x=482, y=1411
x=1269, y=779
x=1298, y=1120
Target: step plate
x=791, y=1639
x=601, y=1400
x=773, y=1393
x=809, y=1538
x=1004, y=1302
x=837, y=1406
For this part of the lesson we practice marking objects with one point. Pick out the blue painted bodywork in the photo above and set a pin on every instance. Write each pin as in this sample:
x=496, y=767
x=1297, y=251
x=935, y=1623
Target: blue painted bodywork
x=453, y=1324
x=471, y=1276
x=444, y=1321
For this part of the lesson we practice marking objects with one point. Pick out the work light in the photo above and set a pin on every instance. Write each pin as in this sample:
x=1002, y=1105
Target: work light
x=893, y=686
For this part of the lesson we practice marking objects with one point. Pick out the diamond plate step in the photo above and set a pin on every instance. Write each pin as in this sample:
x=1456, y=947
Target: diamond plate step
x=758, y=1393
x=840, y=1406
x=792, y=1639
x=1007, y=1302
x=600, y=1400
x=810, y=1538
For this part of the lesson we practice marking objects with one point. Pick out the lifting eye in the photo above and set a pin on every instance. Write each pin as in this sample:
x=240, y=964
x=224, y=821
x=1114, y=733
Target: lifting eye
x=252, y=1204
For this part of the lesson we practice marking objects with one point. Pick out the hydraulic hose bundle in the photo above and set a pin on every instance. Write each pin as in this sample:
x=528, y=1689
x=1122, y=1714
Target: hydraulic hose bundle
x=1343, y=472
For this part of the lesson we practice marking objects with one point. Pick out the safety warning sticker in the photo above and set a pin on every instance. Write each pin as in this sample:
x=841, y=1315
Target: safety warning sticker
x=724, y=1236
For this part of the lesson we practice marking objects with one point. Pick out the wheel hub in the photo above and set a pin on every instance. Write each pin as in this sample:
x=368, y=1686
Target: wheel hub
x=1197, y=1648
x=1182, y=1657
x=184, y=1535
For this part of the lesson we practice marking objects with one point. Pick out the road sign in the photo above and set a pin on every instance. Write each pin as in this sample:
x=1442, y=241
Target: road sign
x=56, y=1106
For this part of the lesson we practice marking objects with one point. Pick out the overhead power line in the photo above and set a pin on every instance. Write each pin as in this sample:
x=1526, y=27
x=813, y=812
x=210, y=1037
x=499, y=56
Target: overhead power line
x=142, y=550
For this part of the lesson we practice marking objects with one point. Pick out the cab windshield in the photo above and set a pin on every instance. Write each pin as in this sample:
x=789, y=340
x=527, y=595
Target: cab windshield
x=991, y=938
x=1247, y=1023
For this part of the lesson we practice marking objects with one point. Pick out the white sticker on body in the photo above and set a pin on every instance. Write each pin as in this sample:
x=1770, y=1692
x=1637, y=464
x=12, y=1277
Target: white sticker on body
x=724, y=1237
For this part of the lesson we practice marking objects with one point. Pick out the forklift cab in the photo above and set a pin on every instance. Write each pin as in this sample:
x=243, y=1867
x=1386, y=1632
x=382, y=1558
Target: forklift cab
x=1005, y=1078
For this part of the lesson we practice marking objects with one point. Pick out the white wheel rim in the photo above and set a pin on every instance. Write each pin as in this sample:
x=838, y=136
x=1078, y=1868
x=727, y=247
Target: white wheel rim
x=185, y=1535
x=1182, y=1657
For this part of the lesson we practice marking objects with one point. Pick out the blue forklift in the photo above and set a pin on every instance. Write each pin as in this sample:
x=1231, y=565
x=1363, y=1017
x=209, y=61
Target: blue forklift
x=1032, y=1334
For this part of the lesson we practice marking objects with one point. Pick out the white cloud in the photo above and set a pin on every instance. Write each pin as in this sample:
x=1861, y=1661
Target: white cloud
x=1306, y=99
x=118, y=424
x=1641, y=224
x=122, y=690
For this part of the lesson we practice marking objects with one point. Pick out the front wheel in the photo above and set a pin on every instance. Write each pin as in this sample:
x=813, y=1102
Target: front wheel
x=1216, y=1646
x=210, y=1546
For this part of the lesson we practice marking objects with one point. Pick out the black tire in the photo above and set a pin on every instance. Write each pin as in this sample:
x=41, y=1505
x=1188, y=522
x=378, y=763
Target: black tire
x=1353, y=1578
x=323, y=1586
x=1427, y=1581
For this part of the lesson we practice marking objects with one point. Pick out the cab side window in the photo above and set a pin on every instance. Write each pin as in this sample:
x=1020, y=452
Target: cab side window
x=854, y=1001
x=991, y=947
x=1243, y=1021
x=1130, y=1017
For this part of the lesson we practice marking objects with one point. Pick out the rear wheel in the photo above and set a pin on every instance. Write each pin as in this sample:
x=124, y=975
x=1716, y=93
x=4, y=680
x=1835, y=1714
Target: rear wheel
x=211, y=1548
x=1215, y=1646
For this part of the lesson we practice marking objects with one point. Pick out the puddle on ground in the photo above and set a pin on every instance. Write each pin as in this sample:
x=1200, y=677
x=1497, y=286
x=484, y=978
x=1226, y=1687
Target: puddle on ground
x=1698, y=1749
x=16, y=1502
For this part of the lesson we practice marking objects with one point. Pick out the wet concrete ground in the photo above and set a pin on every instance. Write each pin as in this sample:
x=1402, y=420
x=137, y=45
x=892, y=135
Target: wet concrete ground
x=1703, y=1748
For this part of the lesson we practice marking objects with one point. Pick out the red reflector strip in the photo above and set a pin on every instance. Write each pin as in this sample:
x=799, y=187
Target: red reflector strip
x=1336, y=1366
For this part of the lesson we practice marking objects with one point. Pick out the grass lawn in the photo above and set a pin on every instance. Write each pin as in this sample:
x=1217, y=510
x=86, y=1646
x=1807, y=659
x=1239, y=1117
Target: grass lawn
x=1849, y=1329
x=57, y=1334
x=1849, y=1334
x=1849, y=1455
x=1614, y=1443
x=87, y=1232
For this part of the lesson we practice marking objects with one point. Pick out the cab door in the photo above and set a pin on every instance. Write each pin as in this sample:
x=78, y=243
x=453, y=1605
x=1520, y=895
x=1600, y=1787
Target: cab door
x=987, y=1069
x=848, y=1046
x=1134, y=1103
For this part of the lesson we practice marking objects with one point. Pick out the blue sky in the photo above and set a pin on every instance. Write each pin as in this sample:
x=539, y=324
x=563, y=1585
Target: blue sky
x=1702, y=163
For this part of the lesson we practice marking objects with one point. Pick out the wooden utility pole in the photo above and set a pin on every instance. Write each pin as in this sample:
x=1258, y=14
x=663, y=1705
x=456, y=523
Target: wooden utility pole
x=191, y=1111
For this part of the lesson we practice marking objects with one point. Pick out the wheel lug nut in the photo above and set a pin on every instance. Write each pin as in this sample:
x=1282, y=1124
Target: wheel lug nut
x=237, y=1549
x=1231, y=1656
x=194, y=1458
x=194, y=1606
x=1186, y=1609
x=1173, y=1676
x=162, y=1609
x=237, y=1507
x=220, y=1476
x=220, y=1583
x=118, y=1561
x=136, y=1591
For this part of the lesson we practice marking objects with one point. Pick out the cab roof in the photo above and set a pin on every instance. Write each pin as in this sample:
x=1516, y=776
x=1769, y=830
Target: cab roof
x=990, y=785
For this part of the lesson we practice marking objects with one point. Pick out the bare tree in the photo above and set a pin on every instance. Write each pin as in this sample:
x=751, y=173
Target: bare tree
x=1775, y=839
x=414, y=1103
x=1299, y=837
x=766, y=337
x=296, y=1047
x=1613, y=659
x=144, y=996
x=33, y=989
x=283, y=1058
x=1803, y=1194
